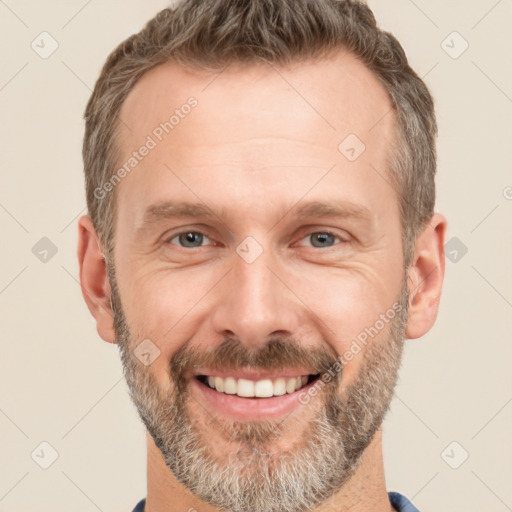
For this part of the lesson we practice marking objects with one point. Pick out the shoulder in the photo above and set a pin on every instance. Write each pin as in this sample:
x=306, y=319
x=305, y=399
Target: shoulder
x=140, y=506
x=400, y=503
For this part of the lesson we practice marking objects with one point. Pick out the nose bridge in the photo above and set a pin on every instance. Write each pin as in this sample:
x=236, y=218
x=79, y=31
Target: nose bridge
x=253, y=304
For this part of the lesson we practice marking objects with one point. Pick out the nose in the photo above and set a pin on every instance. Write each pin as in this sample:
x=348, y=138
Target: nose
x=253, y=303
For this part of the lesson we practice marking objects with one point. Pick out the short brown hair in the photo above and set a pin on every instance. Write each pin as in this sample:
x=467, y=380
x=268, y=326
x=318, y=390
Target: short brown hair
x=210, y=34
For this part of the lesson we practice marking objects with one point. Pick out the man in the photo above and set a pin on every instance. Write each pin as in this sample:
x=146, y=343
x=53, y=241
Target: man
x=261, y=239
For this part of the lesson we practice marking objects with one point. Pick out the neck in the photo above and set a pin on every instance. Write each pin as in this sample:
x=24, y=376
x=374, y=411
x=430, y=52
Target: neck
x=366, y=490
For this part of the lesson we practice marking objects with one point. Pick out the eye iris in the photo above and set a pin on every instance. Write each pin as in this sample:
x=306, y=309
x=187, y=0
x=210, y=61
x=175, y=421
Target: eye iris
x=322, y=239
x=191, y=239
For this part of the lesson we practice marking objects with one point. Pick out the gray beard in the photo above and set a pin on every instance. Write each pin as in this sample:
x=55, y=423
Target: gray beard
x=252, y=477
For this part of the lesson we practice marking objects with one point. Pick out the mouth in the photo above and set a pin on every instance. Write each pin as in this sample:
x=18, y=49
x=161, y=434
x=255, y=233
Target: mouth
x=251, y=398
x=251, y=388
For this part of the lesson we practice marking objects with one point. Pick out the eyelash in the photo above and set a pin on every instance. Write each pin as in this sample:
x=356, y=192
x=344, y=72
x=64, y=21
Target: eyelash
x=168, y=240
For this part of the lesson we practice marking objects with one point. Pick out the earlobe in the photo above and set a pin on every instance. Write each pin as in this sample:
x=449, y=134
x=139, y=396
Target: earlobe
x=94, y=279
x=425, y=277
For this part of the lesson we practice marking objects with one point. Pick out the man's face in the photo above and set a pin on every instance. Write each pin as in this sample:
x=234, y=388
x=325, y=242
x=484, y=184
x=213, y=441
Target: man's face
x=286, y=252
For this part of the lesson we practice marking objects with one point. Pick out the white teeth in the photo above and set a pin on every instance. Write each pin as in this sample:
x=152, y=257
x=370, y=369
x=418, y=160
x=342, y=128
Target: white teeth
x=279, y=387
x=230, y=386
x=291, y=385
x=219, y=383
x=262, y=388
x=245, y=388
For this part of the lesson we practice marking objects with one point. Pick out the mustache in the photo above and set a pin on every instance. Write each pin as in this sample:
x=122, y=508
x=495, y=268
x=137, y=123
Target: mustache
x=277, y=354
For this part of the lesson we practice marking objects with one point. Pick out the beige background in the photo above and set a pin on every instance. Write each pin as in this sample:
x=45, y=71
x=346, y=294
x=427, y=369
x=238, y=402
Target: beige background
x=61, y=384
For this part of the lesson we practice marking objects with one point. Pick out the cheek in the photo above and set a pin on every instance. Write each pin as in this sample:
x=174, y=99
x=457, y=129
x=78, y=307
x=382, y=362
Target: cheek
x=166, y=308
x=157, y=299
x=352, y=309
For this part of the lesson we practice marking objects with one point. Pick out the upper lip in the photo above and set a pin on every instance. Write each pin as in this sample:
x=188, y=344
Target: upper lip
x=254, y=374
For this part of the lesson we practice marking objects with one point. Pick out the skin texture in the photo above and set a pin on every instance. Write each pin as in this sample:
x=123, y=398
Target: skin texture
x=261, y=142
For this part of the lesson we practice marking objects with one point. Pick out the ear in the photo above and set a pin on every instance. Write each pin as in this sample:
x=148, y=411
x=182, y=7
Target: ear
x=425, y=277
x=94, y=279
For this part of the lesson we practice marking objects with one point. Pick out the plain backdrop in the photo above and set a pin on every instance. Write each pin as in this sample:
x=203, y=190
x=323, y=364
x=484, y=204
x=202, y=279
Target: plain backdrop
x=447, y=442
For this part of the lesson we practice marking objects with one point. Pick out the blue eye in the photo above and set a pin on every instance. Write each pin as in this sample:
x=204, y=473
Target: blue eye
x=189, y=239
x=193, y=239
x=322, y=239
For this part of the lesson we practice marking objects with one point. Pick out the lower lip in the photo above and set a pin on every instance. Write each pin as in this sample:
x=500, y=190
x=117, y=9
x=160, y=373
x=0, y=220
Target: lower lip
x=248, y=409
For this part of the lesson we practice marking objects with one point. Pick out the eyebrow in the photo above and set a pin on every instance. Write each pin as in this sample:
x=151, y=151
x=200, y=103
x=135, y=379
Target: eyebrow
x=332, y=209
x=167, y=210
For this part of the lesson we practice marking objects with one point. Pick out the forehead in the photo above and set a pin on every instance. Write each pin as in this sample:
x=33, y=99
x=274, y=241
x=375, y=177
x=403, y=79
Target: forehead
x=306, y=101
x=271, y=119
